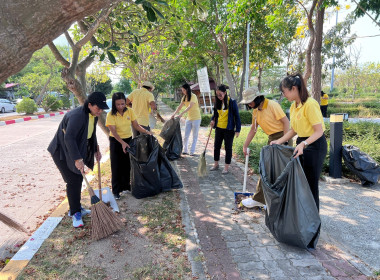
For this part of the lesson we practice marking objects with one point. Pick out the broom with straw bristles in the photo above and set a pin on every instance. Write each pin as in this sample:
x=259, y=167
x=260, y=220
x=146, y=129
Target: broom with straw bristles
x=104, y=221
x=202, y=170
x=9, y=222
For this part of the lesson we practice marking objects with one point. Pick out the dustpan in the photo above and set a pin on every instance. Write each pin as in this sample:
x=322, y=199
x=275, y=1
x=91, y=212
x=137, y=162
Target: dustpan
x=244, y=192
x=107, y=197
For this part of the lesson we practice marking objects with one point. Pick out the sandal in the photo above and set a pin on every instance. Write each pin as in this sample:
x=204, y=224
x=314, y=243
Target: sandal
x=214, y=168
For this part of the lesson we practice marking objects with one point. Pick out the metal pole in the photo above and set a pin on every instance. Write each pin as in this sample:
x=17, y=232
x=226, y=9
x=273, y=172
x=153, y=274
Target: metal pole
x=336, y=139
x=245, y=171
x=333, y=65
x=247, y=57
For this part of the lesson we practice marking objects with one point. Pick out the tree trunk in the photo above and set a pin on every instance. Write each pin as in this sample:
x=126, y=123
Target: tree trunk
x=317, y=59
x=310, y=45
x=230, y=80
x=259, y=77
x=28, y=25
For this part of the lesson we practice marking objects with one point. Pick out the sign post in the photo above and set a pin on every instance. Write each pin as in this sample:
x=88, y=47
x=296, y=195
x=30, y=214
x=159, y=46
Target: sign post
x=204, y=87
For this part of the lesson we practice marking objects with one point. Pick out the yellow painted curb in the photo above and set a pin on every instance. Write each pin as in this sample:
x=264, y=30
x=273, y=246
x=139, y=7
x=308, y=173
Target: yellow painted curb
x=13, y=269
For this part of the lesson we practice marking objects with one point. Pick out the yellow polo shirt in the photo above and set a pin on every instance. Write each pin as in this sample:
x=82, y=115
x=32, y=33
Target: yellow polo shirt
x=91, y=121
x=304, y=116
x=268, y=118
x=325, y=100
x=122, y=123
x=223, y=116
x=194, y=113
x=141, y=99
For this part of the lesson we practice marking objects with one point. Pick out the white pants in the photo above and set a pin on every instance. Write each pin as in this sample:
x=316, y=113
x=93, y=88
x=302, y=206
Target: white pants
x=191, y=126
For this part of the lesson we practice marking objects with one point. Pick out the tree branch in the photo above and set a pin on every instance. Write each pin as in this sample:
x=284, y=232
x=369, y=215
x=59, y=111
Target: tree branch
x=58, y=55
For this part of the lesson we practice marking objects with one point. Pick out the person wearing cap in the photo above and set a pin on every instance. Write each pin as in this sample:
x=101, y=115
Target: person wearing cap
x=142, y=99
x=269, y=115
x=193, y=120
x=74, y=146
x=119, y=121
x=324, y=103
x=307, y=122
x=227, y=124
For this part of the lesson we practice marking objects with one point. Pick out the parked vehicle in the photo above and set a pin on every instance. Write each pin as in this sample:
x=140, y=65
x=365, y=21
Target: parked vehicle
x=7, y=106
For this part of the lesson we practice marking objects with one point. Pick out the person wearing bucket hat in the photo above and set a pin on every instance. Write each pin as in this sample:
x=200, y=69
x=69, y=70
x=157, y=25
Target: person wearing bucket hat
x=269, y=115
x=75, y=145
x=142, y=100
x=227, y=124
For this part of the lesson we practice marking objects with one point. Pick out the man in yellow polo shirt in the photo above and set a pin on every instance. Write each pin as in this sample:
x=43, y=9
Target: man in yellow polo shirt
x=142, y=99
x=324, y=103
x=269, y=115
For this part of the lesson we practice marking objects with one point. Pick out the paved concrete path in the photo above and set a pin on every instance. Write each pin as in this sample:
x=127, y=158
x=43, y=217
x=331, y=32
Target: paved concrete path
x=229, y=245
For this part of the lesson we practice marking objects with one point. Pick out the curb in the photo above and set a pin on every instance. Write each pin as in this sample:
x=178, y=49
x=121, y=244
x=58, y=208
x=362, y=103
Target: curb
x=2, y=123
x=21, y=259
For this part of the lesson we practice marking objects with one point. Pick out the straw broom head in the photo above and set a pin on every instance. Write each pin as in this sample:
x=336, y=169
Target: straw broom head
x=202, y=170
x=11, y=223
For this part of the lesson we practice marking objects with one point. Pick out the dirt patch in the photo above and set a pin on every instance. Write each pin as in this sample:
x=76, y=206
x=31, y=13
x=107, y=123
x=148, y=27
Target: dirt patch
x=151, y=245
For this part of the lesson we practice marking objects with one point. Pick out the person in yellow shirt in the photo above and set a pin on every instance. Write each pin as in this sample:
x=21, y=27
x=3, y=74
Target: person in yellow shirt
x=119, y=121
x=142, y=99
x=269, y=115
x=324, y=103
x=193, y=120
x=307, y=122
x=226, y=121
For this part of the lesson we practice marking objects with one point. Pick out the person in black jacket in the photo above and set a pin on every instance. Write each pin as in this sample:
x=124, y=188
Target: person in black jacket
x=226, y=121
x=74, y=146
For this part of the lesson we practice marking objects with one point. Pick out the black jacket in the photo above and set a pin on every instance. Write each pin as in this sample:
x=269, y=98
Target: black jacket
x=71, y=139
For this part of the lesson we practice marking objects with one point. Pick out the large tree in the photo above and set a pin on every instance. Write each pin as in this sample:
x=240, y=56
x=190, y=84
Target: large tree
x=28, y=25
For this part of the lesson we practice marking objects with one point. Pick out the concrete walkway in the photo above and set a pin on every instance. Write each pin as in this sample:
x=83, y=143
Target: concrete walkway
x=224, y=244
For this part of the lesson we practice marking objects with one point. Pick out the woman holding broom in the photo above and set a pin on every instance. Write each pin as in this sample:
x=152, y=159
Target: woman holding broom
x=307, y=122
x=226, y=121
x=74, y=146
x=119, y=121
x=269, y=115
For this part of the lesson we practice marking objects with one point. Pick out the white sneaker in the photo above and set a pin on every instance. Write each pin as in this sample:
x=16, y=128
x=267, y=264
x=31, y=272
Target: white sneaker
x=83, y=211
x=77, y=220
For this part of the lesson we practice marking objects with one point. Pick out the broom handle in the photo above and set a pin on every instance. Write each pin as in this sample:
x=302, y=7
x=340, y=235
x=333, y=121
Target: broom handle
x=100, y=182
x=246, y=170
x=208, y=138
x=85, y=179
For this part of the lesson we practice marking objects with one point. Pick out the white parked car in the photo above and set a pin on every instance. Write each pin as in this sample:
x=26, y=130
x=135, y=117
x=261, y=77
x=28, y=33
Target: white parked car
x=7, y=106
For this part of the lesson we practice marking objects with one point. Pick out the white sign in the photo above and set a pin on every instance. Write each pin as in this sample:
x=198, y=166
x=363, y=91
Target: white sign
x=204, y=84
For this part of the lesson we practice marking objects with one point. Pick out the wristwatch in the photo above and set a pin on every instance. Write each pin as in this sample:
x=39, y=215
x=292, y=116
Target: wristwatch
x=306, y=144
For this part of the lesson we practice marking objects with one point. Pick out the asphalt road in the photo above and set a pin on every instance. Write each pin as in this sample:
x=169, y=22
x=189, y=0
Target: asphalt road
x=30, y=184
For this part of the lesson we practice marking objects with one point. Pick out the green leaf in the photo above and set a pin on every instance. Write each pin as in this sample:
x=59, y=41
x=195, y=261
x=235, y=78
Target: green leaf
x=114, y=48
x=137, y=41
x=102, y=57
x=162, y=3
x=100, y=31
x=151, y=15
x=139, y=1
x=111, y=57
x=118, y=25
x=106, y=44
x=158, y=13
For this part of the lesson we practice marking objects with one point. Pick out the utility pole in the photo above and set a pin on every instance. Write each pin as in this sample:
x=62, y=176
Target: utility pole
x=333, y=65
x=247, y=58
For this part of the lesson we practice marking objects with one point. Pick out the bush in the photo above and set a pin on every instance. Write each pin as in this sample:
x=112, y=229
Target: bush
x=206, y=119
x=245, y=117
x=66, y=102
x=27, y=106
x=51, y=103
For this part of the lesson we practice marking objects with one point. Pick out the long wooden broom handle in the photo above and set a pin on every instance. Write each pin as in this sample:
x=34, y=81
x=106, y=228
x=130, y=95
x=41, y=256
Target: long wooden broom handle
x=85, y=179
x=99, y=180
x=208, y=138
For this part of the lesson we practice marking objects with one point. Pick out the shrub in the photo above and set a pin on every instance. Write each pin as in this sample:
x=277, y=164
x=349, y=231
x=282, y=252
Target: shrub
x=206, y=119
x=51, y=103
x=27, y=106
x=245, y=117
x=66, y=102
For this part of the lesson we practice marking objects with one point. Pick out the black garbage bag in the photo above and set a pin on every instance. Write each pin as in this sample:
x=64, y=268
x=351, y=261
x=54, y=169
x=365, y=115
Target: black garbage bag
x=173, y=146
x=169, y=128
x=151, y=172
x=361, y=164
x=291, y=215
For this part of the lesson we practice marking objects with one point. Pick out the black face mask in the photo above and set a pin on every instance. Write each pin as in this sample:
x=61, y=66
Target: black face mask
x=258, y=100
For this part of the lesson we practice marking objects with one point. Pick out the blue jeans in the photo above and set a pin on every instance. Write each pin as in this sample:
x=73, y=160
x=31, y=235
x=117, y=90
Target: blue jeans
x=191, y=126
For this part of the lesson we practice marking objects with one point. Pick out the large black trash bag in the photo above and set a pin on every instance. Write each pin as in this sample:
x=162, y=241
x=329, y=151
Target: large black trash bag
x=173, y=146
x=291, y=215
x=169, y=128
x=361, y=164
x=151, y=172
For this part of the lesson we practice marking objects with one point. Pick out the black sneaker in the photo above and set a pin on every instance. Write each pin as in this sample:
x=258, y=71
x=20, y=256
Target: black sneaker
x=117, y=196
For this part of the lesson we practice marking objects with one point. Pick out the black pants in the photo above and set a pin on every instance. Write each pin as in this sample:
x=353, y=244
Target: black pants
x=228, y=137
x=312, y=162
x=135, y=133
x=73, y=183
x=324, y=110
x=120, y=166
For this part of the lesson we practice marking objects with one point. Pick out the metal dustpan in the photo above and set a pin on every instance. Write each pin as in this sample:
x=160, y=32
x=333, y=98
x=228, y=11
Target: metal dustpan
x=244, y=192
x=107, y=197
